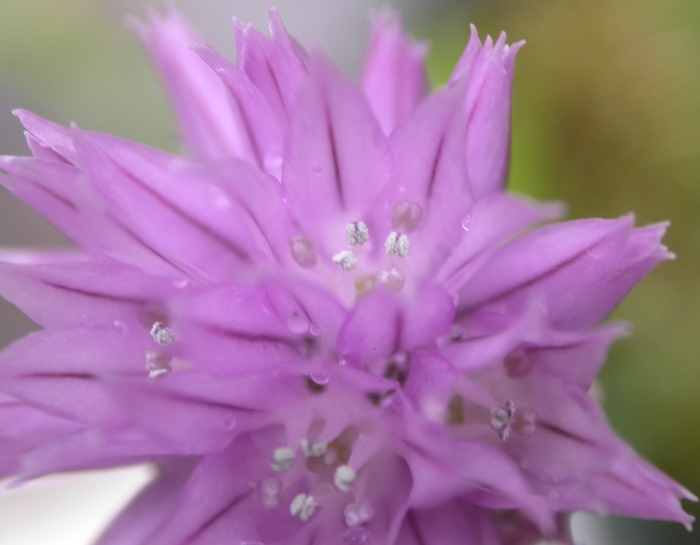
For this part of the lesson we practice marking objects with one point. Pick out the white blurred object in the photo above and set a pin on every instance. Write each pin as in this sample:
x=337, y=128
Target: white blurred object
x=67, y=509
x=590, y=529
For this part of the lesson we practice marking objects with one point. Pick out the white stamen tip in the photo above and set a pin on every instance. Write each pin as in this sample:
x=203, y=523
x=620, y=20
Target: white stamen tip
x=313, y=450
x=271, y=489
x=303, y=507
x=345, y=259
x=344, y=478
x=392, y=280
x=283, y=459
x=397, y=244
x=358, y=513
x=162, y=334
x=357, y=233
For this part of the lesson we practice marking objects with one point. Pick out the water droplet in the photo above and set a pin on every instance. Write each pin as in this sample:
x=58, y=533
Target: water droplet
x=303, y=251
x=342, y=361
x=320, y=376
x=358, y=513
x=229, y=423
x=157, y=364
x=180, y=283
x=297, y=323
x=271, y=489
x=356, y=536
x=392, y=280
x=315, y=330
x=466, y=222
x=119, y=327
x=406, y=215
x=162, y=334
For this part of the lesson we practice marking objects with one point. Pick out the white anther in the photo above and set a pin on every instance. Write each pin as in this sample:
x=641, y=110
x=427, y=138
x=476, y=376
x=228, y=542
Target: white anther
x=358, y=513
x=397, y=244
x=162, y=334
x=345, y=259
x=302, y=507
x=271, y=492
x=392, y=280
x=501, y=419
x=313, y=450
x=357, y=233
x=303, y=251
x=344, y=478
x=283, y=459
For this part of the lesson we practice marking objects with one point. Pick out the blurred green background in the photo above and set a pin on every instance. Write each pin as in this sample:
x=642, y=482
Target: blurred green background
x=606, y=118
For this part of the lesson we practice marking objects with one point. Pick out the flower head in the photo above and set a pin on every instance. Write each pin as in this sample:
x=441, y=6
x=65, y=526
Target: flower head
x=329, y=323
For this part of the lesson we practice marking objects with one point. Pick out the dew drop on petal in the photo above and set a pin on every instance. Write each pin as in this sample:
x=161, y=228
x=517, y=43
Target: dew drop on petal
x=303, y=251
x=271, y=490
x=406, y=215
x=180, y=283
x=320, y=376
x=315, y=330
x=466, y=222
x=282, y=459
x=344, y=478
x=119, y=327
x=297, y=323
x=157, y=364
x=391, y=280
x=162, y=334
x=356, y=536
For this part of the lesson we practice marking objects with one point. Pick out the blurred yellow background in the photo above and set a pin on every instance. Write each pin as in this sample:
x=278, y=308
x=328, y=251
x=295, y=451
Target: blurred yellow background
x=606, y=118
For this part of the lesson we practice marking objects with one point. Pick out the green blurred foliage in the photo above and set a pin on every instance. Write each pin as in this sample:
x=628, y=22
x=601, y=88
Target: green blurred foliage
x=68, y=59
x=607, y=118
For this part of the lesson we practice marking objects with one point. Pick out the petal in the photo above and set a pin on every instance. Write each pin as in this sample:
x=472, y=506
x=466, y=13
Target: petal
x=83, y=291
x=336, y=158
x=262, y=127
x=454, y=523
x=579, y=270
x=53, y=136
x=427, y=317
x=209, y=123
x=147, y=512
x=393, y=77
x=145, y=191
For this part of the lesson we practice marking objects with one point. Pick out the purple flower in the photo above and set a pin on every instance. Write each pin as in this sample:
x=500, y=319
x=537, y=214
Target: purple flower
x=329, y=324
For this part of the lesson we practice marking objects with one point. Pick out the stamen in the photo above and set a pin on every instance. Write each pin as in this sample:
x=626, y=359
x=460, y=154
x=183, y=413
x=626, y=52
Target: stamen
x=345, y=259
x=344, y=478
x=283, y=459
x=525, y=422
x=157, y=363
x=313, y=450
x=303, y=507
x=518, y=364
x=358, y=513
x=357, y=233
x=406, y=215
x=392, y=280
x=500, y=419
x=397, y=244
x=162, y=334
x=271, y=489
x=303, y=251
